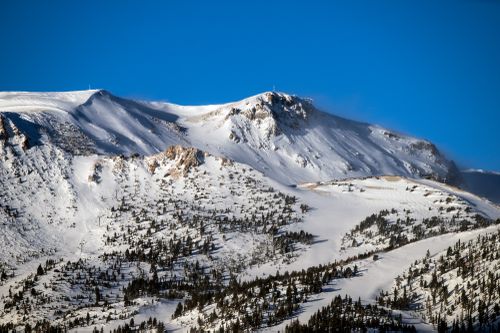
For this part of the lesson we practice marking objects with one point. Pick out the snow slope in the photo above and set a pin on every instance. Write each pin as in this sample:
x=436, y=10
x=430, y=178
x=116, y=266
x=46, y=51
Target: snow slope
x=93, y=121
x=339, y=206
x=283, y=136
x=92, y=189
x=377, y=276
x=85, y=206
x=291, y=141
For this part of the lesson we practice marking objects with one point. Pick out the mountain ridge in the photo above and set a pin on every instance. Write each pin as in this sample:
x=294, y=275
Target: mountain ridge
x=269, y=131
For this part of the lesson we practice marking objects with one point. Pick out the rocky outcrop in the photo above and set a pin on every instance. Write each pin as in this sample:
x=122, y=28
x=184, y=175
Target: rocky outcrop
x=271, y=114
x=3, y=130
x=424, y=145
x=185, y=157
x=16, y=137
x=95, y=172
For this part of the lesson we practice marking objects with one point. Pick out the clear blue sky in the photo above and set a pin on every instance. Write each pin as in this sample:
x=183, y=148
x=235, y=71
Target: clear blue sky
x=427, y=68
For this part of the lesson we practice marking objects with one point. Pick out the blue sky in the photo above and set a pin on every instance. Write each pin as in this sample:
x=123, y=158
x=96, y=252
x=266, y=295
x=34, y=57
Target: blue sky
x=427, y=68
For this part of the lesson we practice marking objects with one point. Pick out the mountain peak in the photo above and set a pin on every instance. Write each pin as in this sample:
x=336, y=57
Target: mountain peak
x=24, y=101
x=274, y=110
x=282, y=135
x=278, y=100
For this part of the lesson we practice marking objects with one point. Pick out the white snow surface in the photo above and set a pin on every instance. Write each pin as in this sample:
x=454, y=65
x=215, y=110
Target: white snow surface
x=336, y=210
x=283, y=136
x=276, y=139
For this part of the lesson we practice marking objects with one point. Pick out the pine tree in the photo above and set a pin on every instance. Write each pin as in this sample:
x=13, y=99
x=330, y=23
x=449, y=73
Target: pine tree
x=40, y=270
x=97, y=296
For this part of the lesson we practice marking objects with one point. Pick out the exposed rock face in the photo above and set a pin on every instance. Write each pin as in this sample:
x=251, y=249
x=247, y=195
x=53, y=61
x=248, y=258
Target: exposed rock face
x=185, y=157
x=3, y=130
x=391, y=135
x=452, y=175
x=152, y=165
x=25, y=144
x=95, y=175
x=226, y=161
x=234, y=137
x=119, y=164
x=424, y=145
x=288, y=110
x=11, y=134
x=271, y=114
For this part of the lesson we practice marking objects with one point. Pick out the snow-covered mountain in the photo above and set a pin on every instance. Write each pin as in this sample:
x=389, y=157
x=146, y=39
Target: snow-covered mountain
x=283, y=136
x=483, y=183
x=115, y=211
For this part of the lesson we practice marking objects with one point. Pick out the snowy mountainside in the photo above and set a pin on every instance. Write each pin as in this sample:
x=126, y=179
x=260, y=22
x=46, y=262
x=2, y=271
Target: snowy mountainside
x=291, y=141
x=182, y=205
x=149, y=232
x=113, y=210
x=338, y=207
x=85, y=122
x=456, y=288
x=283, y=136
